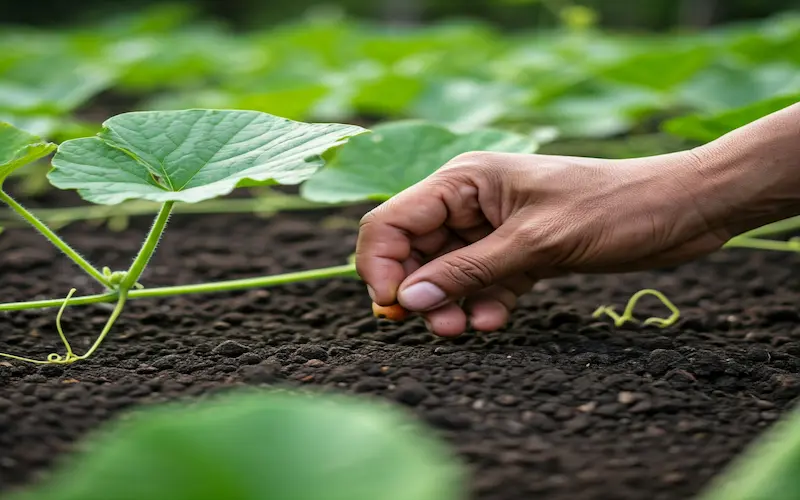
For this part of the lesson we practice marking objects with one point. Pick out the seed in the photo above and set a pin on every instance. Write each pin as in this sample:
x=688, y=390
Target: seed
x=395, y=312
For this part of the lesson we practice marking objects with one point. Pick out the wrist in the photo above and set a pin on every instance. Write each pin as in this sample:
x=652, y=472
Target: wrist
x=751, y=176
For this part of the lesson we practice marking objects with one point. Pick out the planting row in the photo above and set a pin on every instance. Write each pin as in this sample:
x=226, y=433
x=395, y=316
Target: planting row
x=572, y=82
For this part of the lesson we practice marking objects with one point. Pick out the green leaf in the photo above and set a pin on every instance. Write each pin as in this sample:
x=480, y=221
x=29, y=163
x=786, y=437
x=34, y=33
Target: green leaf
x=294, y=103
x=54, y=128
x=659, y=70
x=597, y=110
x=397, y=155
x=18, y=148
x=191, y=155
x=706, y=128
x=257, y=446
x=767, y=470
x=722, y=87
x=53, y=84
x=468, y=105
x=388, y=95
x=775, y=39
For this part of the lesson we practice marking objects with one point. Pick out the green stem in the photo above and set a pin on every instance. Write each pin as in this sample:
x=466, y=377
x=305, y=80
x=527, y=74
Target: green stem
x=123, y=296
x=763, y=244
x=170, y=291
x=148, y=248
x=54, y=239
x=780, y=227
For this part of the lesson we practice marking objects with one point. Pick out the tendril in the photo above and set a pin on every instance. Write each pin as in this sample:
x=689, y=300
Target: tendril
x=54, y=358
x=627, y=314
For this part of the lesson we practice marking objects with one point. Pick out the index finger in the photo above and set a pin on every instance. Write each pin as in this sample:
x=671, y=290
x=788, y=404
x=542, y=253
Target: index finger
x=386, y=233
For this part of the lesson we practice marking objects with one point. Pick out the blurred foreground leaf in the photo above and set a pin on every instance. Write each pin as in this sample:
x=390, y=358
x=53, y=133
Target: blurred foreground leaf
x=261, y=446
x=769, y=469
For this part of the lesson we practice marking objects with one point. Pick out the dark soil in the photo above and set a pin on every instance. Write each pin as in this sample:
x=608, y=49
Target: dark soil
x=558, y=406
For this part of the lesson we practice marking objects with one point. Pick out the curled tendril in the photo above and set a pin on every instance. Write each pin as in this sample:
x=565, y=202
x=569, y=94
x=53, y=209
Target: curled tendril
x=627, y=314
x=54, y=358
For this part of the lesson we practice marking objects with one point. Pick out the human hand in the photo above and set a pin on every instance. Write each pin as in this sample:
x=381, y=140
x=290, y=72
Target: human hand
x=462, y=245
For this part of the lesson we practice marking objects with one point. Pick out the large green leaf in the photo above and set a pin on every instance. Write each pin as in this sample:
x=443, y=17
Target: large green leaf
x=18, y=148
x=397, y=155
x=262, y=446
x=191, y=155
x=706, y=128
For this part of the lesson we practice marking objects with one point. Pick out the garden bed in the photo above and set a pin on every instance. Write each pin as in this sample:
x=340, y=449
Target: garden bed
x=558, y=405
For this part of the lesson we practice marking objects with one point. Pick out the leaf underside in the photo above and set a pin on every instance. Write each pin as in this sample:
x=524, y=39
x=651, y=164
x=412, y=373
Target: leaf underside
x=191, y=155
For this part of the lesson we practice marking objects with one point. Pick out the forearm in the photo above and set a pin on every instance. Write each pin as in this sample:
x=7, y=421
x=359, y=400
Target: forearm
x=751, y=176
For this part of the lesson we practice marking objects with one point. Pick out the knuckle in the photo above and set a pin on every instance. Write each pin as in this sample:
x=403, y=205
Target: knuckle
x=450, y=183
x=468, y=270
x=367, y=219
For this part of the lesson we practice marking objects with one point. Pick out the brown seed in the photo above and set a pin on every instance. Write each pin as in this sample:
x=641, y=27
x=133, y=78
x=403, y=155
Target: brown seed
x=395, y=312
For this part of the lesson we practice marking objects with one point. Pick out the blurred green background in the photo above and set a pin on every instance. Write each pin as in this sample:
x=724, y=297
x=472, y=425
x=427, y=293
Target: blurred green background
x=632, y=14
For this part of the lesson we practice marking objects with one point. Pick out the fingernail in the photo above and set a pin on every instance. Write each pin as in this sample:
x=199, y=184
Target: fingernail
x=421, y=296
x=371, y=293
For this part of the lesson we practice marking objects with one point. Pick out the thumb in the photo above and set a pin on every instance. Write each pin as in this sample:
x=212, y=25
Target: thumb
x=464, y=271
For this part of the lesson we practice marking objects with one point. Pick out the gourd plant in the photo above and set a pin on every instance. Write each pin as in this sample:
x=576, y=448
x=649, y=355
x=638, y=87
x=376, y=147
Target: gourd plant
x=168, y=157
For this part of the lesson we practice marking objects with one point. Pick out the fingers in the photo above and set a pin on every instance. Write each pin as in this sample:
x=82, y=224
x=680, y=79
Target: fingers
x=386, y=234
x=490, y=309
x=465, y=271
x=449, y=320
x=384, y=240
x=487, y=310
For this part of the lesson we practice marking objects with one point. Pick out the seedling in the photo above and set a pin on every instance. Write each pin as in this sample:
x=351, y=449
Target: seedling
x=627, y=314
x=168, y=157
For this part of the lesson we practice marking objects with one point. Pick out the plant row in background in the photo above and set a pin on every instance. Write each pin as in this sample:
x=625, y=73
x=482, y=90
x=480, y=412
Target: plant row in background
x=574, y=82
